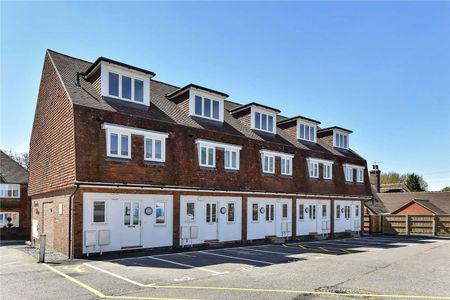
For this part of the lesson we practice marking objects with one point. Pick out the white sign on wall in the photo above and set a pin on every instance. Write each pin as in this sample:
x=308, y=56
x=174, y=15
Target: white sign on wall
x=35, y=228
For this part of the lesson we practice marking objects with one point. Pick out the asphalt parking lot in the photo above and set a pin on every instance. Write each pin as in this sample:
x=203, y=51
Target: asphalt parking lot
x=386, y=267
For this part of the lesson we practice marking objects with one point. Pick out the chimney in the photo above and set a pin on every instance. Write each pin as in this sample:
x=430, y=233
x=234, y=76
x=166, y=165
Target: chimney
x=375, y=177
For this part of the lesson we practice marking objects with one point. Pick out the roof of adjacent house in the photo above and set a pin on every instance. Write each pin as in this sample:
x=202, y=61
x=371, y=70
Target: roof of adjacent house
x=245, y=106
x=164, y=110
x=11, y=171
x=394, y=188
x=332, y=128
x=439, y=201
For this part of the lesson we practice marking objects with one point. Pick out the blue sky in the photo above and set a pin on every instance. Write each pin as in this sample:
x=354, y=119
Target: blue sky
x=381, y=69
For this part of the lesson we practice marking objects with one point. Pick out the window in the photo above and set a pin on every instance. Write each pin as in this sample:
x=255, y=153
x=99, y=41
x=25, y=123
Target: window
x=268, y=162
x=347, y=212
x=270, y=209
x=263, y=121
x=160, y=212
x=125, y=87
x=301, y=212
x=211, y=212
x=341, y=140
x=324, y=211
x=131, y=214
x=312, y=212
x=9, y=219
x=154, y=149
x=190, y=212
x=286, y=166
x=357, y=211
x=118, y=145
x=207, y=156
x=9, y=190
x=284, y=211
x=206, y=108
x=348, y=173
x=231, y=159
x=307, y=132
x=254, y=212
x=99, y=209
x=359, y=175
x=231, y=216
x=338, y=211
x=327, y=171
x=313, y=169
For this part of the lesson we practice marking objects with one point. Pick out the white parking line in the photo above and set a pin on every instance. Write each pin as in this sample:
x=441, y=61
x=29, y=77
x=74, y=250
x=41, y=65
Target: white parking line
x=186, y=265
x=114, y=275
x=265, y=251
x=238, y=258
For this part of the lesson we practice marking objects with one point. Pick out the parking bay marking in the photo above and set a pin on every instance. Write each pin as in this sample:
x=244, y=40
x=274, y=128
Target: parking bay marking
x=238, y=258
x=186, y=265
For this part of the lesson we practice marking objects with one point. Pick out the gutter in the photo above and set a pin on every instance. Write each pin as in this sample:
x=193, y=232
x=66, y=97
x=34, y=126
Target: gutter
x=198, y=189
x=70, y=220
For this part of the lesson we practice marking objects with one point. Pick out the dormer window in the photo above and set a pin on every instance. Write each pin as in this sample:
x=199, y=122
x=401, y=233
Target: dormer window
x=340, y=140
x=263, y=120
x=124, y=84
x=306, y=131
x=207, y=108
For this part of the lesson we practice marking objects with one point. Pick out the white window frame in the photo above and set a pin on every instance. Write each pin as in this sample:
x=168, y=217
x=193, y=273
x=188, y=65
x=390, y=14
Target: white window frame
x=107, y=68
x=287, y=211
x=231, y=151
x=165, y=213
x=337, y=143
x=6, y=187
x=262, y=112
x=234, y=212
x=359, y=175
x=268, y=168
x=187, y=220
x=306, y=125
x=301, y=212
x=348, y=171
x=4, y=213
x=163, y=148
x=273, y=154
x=316, y=161
x=213, y=97
x=338, y=211
x=206, y=164
x=106, y=215
x=129, y=131
x=257, y=212
x=201, y=143
x=285, y=161
x=313, y=167
x=328, y=171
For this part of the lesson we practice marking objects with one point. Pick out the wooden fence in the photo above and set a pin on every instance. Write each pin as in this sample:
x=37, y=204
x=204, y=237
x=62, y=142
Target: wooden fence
x=408, y=224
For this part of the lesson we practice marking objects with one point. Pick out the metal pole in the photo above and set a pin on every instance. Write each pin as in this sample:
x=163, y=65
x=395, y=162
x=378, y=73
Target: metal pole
x=42, y=248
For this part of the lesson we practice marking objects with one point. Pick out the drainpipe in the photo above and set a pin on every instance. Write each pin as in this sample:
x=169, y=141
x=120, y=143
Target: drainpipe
x=70, y=221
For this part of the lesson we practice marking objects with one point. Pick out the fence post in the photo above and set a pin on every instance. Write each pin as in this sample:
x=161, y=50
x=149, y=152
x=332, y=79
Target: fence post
x=42, y=248
x=434, y=225
x=407, y=224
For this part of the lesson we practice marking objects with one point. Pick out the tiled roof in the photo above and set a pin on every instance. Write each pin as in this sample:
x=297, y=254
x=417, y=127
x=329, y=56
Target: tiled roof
x=394, y=188
x=165, y=110
x=11, y=171
x=394, y=201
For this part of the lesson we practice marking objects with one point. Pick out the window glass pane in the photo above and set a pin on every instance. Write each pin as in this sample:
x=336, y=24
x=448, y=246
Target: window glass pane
x=127, y=213
x=139, y=90
x=272, y=211
x=255, y=212
x=324, y=210
x=263, y=121
x=345, y=141
x=307, y=132
x=285, y=210
x=158, y=150
x=234, y=160
x=311, y=133
x=190, y=211
x=257, y=120
x=270, y=124
x=214, y=212
x=283, y=166
x=135, y=213
x=160, y=213
x=357, y=210
x=301, y=212
x=148, y=148
x=302, y=129
x=267, y=212
x=99, y=211
x=215, y=110
x=113, y=84
x=338, y=211
x=114, y=144
x=208, y=213
x=203, y=155
x=271, y=164
x=126, y=87
x=314, y=211
x=198, y=105
x=227, y=159
x=230, y=212
x=211, y=156
x=124, y=145
x=207, y=112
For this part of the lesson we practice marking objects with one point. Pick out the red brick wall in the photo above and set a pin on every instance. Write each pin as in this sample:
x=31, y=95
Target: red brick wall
x=22, y=206
x=414, y=209
x=52, y=148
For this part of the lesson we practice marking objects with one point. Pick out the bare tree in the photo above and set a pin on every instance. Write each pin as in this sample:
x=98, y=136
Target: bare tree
x=21, y=158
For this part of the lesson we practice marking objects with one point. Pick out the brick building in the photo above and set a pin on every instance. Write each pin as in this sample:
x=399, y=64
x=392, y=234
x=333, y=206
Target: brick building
x=14, y=201
x=121, y=161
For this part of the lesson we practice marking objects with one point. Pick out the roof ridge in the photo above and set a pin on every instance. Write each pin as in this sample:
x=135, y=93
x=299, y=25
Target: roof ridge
x=50, y=50
x=15, y=162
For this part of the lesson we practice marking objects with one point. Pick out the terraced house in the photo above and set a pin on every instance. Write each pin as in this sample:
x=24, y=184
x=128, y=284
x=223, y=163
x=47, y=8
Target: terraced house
x=119, y=160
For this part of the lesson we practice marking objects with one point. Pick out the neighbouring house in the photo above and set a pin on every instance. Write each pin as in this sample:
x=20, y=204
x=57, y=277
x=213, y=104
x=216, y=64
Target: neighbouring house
x=14, y=201
x=119, y=160
x=398, y=199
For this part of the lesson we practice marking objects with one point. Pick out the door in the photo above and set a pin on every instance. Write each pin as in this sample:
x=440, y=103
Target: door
x=131, y=229
x=48, y=223
x=323, y=223
x=356, y=218
x=270, y=219
x=211, y=228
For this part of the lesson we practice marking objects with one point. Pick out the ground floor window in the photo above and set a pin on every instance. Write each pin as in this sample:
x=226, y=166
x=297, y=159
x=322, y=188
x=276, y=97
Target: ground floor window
x=301, y=212
x=324, y=211
x=131, y=214
x=190, y=212
x=338, y=211
x=254, y=212
x=285, y=211
x=270, y=209
x=9, y=219
x=160, y=213
x=99, y=212
x=347, y=212
x=211, y=212
x=231, y=213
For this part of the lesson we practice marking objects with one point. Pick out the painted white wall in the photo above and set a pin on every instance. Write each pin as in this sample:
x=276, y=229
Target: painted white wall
x=222, y=230
x=262, y=228
x=151, y=234
x=353, y=223
x=320, y=225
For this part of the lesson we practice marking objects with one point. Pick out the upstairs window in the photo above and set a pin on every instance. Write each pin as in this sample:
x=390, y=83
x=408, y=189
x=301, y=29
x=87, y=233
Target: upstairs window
x=207, y=156
x=359, y=175
x=286, y=166
x=125, y=87
x=263, y=121
x=268, y=163
x=313, y=169
x=307, y=132
x=231, y=159
x=118, y=144
x=207, y=108
x=348, y=172
x=327, y=171
x=154, y=149
x=341, y=140
x=9, y=190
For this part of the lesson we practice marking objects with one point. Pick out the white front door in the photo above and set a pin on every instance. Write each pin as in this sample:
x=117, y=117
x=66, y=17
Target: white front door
x=211, y=228
x=356, y=218
x=131, y=229
x=270, y=219
x=323, y=224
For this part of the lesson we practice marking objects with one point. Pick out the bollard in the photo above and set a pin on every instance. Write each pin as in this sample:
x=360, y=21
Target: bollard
x=42, y=248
